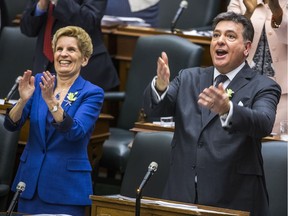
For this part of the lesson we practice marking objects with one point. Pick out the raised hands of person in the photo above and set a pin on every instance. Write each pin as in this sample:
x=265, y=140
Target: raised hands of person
x=274, y=6
x=277, y=13
x=250, y=7
x=163, y=72
x=43, y=4
x=215, y=99
x=26, y=86
x=47, y=86
x=26, y=89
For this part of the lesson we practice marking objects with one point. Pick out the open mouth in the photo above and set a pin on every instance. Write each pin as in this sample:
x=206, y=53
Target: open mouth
x=221, y=52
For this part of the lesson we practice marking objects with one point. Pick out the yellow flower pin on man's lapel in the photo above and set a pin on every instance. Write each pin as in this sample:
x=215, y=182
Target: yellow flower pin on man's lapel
x=230, y=93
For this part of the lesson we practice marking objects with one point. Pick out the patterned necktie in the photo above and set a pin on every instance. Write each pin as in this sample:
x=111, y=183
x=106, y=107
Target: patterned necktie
x=220, y=79
x=47, y=45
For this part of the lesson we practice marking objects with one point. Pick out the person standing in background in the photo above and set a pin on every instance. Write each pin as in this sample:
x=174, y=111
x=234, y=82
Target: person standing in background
x=62, y=109
x=147, y=10
x=269, y=50
x=86, y=14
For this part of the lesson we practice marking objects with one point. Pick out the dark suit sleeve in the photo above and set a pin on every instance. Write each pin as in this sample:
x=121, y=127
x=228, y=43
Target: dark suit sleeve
x=84, y=13
x=154, y=107
x=256, y=118
x=31, y=25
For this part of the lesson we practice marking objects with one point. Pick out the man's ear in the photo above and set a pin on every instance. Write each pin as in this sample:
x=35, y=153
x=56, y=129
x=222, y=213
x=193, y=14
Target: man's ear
x=248, y=45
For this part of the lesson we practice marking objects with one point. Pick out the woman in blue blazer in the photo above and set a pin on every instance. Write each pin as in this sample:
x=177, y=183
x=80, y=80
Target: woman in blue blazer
x=63, y=109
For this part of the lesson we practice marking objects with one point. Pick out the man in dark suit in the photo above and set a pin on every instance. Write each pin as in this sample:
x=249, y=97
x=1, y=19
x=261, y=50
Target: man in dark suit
x=216, y=150
x=83, y=13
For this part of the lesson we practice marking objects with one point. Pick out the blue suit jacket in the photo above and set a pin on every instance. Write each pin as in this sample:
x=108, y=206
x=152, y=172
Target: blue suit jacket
x=228, y=162
x=86, y=14
x=55, y=160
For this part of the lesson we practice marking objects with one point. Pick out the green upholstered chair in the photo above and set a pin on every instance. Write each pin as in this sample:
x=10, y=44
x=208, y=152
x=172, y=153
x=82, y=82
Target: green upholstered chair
x=275, y=167
x=16, y=56
x=147, y=147
x=8, y=151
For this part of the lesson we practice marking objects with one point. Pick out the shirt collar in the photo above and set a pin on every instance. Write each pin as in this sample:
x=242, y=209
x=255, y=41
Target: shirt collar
x=230, y=74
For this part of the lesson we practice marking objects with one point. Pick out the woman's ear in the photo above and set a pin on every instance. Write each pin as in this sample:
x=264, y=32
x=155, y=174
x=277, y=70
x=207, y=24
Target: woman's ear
x=85, y=61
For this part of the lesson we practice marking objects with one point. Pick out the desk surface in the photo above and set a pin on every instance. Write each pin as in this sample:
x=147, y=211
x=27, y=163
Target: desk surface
x=140, y=31
x=150, y=127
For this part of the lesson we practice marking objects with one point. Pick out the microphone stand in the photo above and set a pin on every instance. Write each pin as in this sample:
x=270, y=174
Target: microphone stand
x=182, y=7
x=151, y=169
x=173, y=28
x=12, y=90
x=138, y=202
x=19, y=189
x=176, y=31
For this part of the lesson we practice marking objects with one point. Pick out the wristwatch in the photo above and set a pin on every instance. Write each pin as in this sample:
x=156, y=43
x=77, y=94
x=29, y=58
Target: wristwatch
x=54, y=108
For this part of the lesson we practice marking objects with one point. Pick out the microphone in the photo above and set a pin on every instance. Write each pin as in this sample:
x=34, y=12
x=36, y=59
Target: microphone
x=152, y=168
x=183, y=5
x=19, y=189
x=12, y=90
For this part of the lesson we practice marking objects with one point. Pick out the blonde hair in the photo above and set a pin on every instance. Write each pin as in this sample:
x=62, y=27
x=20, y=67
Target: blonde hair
x=84, y=41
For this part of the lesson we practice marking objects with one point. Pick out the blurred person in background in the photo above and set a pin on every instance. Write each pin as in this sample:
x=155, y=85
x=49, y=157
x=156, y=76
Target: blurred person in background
x=42, y=18
x=268, y=53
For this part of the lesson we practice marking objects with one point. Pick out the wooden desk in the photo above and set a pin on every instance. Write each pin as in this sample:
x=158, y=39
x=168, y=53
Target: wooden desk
x=121, y=42
x=99, y=135
x=116, y=207
x=150, y=127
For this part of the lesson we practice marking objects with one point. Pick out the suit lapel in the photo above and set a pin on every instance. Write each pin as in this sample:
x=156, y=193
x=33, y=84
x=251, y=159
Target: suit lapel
x=239, y=81
x=206, y=80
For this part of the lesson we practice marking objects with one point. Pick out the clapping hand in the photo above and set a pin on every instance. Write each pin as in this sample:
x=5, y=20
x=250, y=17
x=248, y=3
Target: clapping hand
x=215, y=99
x=163, y=72
x=47, y=85
x=26, y=85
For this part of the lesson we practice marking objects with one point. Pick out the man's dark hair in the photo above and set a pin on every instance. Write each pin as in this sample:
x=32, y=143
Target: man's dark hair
x=248, y=32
